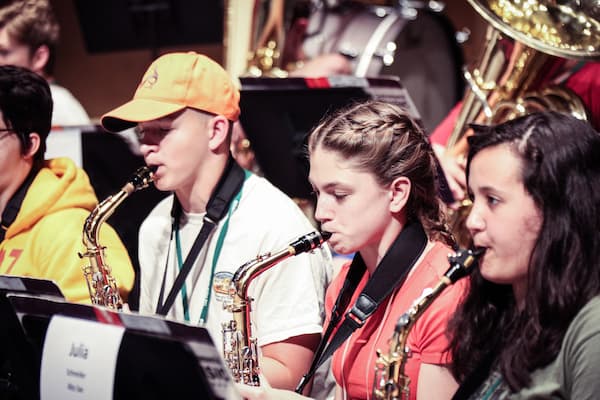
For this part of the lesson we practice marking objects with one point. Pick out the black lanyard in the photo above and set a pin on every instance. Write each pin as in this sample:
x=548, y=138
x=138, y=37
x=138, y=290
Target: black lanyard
x=228, y=186
x=389, y=275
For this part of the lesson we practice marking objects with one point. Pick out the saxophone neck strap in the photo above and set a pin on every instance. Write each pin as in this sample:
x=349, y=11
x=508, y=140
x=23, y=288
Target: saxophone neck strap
x=389, y=275
x=229, y=185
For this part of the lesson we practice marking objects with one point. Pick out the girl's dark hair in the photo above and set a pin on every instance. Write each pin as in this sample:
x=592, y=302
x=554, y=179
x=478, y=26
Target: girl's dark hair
x=26, y=106
x=383, y=139
x=560, y=157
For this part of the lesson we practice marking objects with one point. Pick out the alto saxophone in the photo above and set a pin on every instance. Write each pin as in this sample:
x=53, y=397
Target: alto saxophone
x=101, y=284
x=391, y=382
x=239, y=347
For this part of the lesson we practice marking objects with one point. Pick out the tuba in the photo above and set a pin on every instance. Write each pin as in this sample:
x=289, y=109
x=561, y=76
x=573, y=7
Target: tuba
x=391, y=381
x=239, y=347
x=101, y=284
x=507, y=81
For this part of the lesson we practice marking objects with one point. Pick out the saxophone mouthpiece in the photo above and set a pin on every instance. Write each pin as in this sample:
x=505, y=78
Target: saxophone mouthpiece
x=141, y=178
x=309, y=241
x=463, y=262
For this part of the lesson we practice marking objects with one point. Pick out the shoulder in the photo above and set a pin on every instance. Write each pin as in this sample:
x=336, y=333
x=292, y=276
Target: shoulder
x=67, y=109
x=585, y=324
x=161, y=211
x=157, y=219
x=434, y=263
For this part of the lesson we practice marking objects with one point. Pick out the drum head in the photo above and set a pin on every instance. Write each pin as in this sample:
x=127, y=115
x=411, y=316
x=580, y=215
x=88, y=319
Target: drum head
x=421, y=51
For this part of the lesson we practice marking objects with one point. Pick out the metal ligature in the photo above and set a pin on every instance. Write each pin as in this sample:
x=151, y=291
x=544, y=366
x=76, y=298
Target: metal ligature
x=391, y=382
x=239, y=347
x=101, y=284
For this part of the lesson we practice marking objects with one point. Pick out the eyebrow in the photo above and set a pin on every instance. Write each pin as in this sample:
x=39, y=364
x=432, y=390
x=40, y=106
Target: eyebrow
x=329, y=186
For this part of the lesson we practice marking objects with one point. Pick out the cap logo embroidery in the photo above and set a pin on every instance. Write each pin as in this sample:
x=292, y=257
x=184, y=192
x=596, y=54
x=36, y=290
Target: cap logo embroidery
x=150, y=80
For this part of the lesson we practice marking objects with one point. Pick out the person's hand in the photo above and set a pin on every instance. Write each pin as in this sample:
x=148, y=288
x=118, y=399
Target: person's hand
x=454, y=171
x=266, y=392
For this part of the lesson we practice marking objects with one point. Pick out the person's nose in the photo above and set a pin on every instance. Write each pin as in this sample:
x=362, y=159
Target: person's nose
x=475, y=221
x=322, y=212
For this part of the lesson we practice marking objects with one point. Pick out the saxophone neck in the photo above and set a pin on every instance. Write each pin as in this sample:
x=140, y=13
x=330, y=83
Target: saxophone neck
x=98, y=216
x=251, y=270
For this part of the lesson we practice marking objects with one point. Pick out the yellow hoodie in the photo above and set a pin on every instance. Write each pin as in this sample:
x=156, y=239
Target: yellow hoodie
x=46, y=236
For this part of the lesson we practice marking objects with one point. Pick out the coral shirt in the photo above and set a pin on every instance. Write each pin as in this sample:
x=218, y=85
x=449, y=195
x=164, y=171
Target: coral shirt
x=353, y=362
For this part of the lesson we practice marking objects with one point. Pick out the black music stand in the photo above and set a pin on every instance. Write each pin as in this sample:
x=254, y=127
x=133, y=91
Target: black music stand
x=157, y=358
x=278, y=113
x=19, y=358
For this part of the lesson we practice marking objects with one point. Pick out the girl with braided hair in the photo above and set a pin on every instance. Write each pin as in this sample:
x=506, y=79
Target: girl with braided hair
x=374, y=175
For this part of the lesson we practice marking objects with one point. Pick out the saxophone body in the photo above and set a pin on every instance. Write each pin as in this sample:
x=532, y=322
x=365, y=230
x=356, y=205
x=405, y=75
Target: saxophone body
x=391, y=382
x=239, y=346
x=101, y=284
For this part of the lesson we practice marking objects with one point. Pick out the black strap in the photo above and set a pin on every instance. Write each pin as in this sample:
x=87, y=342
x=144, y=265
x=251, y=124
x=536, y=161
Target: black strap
x=228, y=186
x=14, y=204
x=389, y=275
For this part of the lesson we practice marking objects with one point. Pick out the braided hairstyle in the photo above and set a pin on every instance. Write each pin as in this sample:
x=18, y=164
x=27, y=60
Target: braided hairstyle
x=384, y=140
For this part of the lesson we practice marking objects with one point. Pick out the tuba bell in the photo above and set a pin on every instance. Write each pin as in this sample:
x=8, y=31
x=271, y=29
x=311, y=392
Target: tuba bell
x=523, y=41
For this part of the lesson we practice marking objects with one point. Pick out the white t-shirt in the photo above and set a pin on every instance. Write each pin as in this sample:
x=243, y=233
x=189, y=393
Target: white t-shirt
x=288, y=297
x=67, y=110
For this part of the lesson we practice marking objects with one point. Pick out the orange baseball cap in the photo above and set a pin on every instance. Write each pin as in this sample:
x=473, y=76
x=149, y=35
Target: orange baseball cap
x=173, y=82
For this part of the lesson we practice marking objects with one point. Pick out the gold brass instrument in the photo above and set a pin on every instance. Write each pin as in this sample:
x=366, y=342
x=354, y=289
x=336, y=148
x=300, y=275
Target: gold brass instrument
x=391, y=381
x=239, y=347
x=252, y=41
x=505, y=83
x=101, y=284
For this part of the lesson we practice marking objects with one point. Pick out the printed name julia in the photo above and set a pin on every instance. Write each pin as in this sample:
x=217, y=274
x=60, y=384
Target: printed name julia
x=78, y=351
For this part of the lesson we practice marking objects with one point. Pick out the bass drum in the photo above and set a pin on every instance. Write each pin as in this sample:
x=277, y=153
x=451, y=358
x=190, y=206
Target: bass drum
x=418, y=46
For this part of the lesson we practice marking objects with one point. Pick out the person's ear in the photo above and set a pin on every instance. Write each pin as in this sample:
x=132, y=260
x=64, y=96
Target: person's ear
x=39, y=59
x=399, y=193
x=218, y=128
x=34, y=145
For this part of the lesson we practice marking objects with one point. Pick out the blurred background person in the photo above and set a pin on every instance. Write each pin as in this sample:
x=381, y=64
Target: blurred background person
x=29, y=34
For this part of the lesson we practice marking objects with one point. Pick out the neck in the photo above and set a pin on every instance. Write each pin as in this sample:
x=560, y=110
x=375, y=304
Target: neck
x=374, y=253
x=194, y=197
x=519, y=291
x=9, y=191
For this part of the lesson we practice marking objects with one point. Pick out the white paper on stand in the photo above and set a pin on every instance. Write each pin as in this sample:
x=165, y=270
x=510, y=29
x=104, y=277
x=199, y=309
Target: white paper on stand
x=79, y=359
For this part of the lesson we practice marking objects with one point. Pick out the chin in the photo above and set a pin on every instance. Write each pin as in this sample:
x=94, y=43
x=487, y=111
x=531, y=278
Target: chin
x=160, y=185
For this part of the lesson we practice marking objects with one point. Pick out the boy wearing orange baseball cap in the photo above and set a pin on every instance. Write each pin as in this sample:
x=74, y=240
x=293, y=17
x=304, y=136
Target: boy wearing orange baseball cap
x=218, y=218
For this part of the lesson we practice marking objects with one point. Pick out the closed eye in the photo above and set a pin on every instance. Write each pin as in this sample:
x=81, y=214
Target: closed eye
x=340, y=196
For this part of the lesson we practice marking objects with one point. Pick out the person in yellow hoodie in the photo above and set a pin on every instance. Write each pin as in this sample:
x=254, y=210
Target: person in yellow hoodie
x=44, y=203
